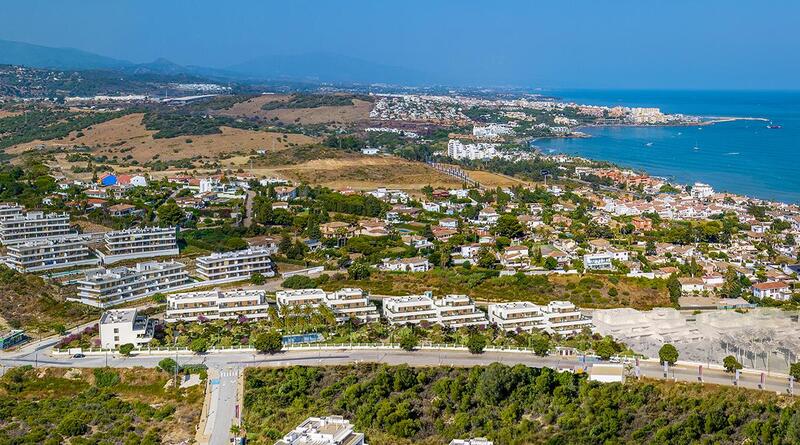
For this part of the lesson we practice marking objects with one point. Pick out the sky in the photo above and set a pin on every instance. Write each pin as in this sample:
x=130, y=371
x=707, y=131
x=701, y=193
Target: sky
x=669, y=44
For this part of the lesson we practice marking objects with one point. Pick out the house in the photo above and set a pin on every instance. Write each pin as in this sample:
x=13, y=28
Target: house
x=336, y=229
x=332, y=430
x=416, y=241
x=776, y=290
x=415, y=264
x=132, y=181
x=125, y=326
x=108, y=179
x=598, y=261
x=488, y=215
x=372, y=228
x=515, y=257
x=121, y=210
x=443, y=234
x=370, y=151
x=96, y=203
x=448, y=223
x=285, y=193
x=691, y=285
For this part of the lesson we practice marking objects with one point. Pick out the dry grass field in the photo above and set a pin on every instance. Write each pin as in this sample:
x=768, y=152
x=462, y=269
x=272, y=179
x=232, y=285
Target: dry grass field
x=358, y=112
x=128, y=136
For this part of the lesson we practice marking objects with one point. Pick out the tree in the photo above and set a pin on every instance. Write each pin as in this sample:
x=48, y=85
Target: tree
x=159, y=298
x=540, y=345
x=268, y=342
x=168, y=365
x=550, y=263
x=486, y=258
x=198, y=345
x=668, y=354
x=257, y=278
x=359, y=271
x=409, y=341
x=507, y=225
x=126, y=349
x=476, y=343
x=605, y=349
x=60, y=329
x=794, y=370
x=170, y=214
x=731, y=364
x=674, y=287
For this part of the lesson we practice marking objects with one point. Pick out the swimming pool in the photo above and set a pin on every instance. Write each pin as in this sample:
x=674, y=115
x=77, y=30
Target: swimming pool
x=302, y=338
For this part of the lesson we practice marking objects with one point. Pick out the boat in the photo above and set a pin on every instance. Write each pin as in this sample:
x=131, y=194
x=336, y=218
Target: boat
x=772, y=126
x=649, y=144
x=696, y=147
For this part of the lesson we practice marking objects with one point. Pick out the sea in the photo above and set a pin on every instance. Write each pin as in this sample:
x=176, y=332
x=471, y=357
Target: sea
x=742, y=157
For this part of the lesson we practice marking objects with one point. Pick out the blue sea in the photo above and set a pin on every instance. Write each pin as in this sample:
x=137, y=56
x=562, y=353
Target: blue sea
x=742, y=157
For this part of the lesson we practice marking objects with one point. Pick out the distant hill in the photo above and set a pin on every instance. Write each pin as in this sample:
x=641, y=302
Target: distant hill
x=311, y=67
x=325, y=67
x=37, y=56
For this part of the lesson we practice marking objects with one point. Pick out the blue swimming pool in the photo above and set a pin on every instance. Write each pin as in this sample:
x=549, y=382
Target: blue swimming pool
x=302, y=338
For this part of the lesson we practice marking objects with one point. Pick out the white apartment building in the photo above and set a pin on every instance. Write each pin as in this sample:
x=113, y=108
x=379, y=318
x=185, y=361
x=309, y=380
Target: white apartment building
x=452, y=311
x=239, y=264
x=10, y=211
x=34, y=226
x=216, y=304
x=455, y=311
x=598, y=261
x=145, y=242
x=108, y=287
x=410, y=309
x=123, y=326
x=701, y=190
x=332, y=430
x=477, y=151
x=560, y=317
x=491, y=131
x=351, y=303
x=47, y=254
x=289, y=299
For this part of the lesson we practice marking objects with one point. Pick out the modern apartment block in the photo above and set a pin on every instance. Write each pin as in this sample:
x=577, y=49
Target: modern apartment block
x=332, y=430
x=216, y=304
x=351, y=303
x=47, y=254
x=239, y=264
x=108, y=287
x=410, y=309
x=34, y=226
x=10, y=211
x=455, y=311
x=300, y=298
x=560, y=317
x=145, y=242
x=123, y=326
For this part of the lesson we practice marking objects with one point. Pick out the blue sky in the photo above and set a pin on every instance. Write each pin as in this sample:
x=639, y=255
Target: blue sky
x=556, y=44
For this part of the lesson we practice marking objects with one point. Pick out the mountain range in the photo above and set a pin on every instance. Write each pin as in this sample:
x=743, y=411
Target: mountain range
x=309, y=67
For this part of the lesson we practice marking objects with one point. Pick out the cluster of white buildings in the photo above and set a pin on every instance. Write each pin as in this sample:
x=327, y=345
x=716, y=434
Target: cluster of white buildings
x=347, y=303
x=144, y=242
x=492, y=131
x=557, y=317
x=217, y=305
x=474, y=151
x=108, y=287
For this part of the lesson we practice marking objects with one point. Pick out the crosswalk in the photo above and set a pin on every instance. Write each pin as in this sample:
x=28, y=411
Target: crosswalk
x=229, y=373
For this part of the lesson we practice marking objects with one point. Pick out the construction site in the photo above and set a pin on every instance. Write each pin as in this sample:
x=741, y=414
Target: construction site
x=762, y=338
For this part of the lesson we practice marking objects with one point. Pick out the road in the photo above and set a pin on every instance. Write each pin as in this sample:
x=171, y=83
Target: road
x=222, y=409
x=248, y=208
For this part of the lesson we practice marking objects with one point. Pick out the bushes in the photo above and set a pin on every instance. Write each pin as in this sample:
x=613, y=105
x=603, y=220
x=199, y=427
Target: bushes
x=126, y=349
x=105, y=377
x=299, y=282
x=269, y=342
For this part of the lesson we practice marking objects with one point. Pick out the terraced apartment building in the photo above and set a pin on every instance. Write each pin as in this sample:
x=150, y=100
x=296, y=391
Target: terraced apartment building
x=143, y=242
x=48, y=254
x=452, y=311
x=217, y=305
x=238, y=264
x=560, y=317
x=107, y=287
x=34, y=226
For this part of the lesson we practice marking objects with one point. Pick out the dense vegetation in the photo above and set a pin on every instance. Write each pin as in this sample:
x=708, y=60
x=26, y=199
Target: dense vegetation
x=311, y=101
x=511, y=405
x=54, y=406
x=29, y=302
x=169, y=125
x=46, y=124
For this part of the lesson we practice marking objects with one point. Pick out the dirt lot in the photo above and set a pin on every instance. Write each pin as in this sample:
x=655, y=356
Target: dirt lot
x=358, y=112
x=127, y=136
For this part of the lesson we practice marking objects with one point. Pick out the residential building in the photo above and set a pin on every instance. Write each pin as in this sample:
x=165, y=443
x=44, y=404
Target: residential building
x=216, y=304
x=10, y=211
x=560, y=317
x=107, y=287
x=300, y=298
x=481, y=150
x=351, y=303
x=125, y=326
x=410, y=309
x=691, y=285
x=475, y=441
x=598, y=261
x=701, y=191
x=47, y=254
x=238, y=264
x=331, y=430
x=34, y=226
x=415, y=264
x=777, y=290
x=144, y=242
x=455, y=311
